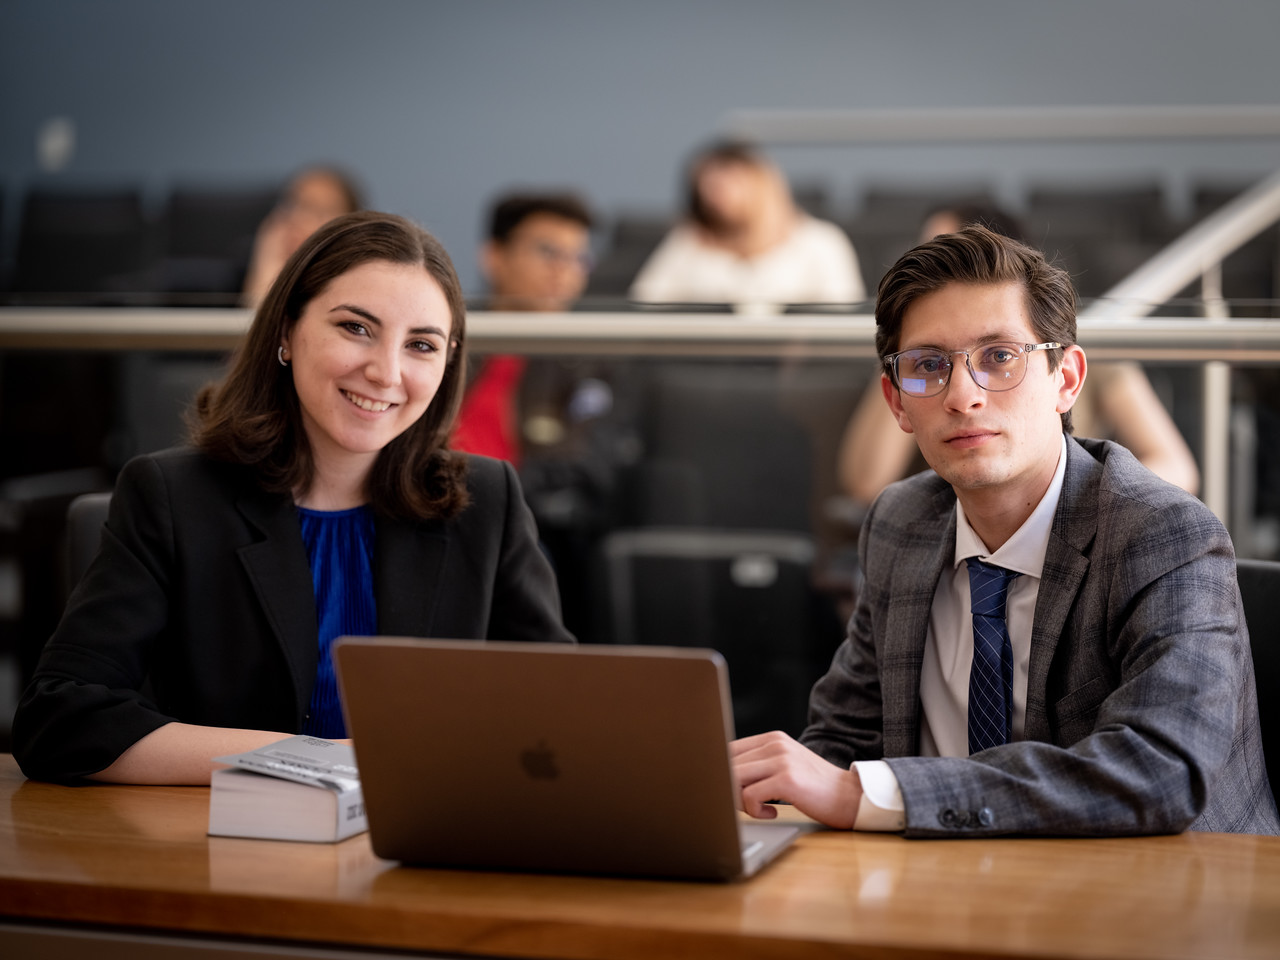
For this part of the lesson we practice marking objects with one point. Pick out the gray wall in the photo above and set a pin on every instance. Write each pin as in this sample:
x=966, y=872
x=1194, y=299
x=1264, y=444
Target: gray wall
x=437, y=105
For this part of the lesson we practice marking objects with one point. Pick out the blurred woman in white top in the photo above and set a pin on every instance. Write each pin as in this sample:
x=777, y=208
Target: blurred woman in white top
x=744, y=242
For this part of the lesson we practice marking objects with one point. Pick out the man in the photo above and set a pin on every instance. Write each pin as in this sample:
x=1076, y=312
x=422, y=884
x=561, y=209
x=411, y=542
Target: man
x=537, y=257
x=538, y=253
x=566, y=423
x=1097, y=680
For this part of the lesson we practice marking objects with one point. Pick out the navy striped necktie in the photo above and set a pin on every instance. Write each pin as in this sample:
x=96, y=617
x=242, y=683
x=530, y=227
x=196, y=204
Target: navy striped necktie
x=991, y=676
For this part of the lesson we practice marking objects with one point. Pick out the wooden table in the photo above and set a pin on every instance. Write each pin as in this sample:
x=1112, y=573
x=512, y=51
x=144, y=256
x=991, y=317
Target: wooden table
x=137, y=860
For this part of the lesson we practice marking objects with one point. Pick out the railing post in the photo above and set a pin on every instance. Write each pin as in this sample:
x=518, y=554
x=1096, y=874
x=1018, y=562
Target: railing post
x=1216, y=394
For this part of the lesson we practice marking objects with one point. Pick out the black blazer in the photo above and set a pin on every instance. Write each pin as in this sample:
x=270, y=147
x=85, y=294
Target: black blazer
x=199, y=606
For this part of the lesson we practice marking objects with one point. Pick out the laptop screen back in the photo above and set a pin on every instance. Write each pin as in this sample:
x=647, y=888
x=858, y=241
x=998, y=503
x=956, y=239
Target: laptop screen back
x=595, y=759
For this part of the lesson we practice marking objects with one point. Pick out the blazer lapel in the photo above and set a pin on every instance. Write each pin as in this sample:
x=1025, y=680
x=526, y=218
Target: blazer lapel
x=408, y=566
x=278, y=567
x=1066, y=562
x=914, y=583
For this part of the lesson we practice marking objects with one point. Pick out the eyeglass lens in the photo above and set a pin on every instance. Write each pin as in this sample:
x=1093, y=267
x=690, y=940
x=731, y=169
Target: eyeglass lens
x=553, y=254
x=995, y=367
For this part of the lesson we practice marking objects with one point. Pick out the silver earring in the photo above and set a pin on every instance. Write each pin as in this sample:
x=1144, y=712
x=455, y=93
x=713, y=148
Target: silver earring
x=280, y=356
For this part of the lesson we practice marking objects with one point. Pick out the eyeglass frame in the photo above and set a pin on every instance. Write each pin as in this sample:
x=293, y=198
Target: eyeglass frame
x=550, y=253
x=891, y=362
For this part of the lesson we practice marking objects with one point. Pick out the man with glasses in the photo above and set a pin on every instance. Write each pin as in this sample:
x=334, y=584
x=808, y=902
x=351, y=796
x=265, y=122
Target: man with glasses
x=537, y=257
x=1049, y=639
x=538, y=252
x=565, y=422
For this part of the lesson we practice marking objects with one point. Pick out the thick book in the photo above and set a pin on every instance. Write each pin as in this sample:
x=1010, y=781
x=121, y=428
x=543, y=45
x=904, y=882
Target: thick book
x=303, y=788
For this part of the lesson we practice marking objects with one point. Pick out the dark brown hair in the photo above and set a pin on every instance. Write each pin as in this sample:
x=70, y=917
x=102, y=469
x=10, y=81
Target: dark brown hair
x=513, y=209
x=253, y=416
x=976, y=255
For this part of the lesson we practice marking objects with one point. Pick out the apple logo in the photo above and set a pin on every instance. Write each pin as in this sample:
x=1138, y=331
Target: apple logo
x=540, y=762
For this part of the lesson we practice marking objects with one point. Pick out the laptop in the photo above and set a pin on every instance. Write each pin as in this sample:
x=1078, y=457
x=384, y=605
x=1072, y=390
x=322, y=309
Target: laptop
x=549, y=758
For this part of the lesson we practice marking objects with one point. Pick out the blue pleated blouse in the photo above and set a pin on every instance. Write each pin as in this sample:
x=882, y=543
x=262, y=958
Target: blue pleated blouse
x=340, y=548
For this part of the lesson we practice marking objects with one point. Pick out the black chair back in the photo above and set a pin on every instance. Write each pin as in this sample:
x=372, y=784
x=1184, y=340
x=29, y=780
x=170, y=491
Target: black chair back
x=81, y=241
x=1260, y=588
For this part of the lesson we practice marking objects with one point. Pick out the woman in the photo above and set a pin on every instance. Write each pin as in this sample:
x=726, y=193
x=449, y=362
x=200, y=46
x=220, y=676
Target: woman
x=310, y=200
x=744, y=242
x=319, y=498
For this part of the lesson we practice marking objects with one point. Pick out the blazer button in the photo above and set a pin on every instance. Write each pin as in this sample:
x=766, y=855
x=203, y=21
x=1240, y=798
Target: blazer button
x=986, y=817
x=949, y=818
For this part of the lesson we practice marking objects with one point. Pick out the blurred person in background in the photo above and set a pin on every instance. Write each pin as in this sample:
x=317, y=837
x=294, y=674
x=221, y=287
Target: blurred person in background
x=311, y=199
x=743, y=241
x=536, y=257
x=565, y=422
x=1117, y=402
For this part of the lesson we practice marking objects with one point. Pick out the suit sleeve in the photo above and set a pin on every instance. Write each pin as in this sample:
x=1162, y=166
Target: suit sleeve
x=526, y=600
x=846, y=714
x=84, y=705
x=1139, y=746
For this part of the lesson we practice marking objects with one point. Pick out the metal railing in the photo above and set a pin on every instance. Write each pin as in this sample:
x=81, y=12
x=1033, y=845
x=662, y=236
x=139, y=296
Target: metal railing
x=961, y=124
x=1133, y=335
x=1198, y=255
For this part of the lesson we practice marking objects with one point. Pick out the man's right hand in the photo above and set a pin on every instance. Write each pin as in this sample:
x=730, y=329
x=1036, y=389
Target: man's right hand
x=773, y=767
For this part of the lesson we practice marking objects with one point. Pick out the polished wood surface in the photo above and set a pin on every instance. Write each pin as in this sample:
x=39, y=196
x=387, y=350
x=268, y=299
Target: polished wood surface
x=139, y=857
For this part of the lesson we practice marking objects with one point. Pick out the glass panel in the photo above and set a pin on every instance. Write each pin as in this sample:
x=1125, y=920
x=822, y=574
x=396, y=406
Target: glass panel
x=689, y=471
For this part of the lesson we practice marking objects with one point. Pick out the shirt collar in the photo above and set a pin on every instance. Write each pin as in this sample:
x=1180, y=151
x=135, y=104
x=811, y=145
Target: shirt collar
x=1025, y=550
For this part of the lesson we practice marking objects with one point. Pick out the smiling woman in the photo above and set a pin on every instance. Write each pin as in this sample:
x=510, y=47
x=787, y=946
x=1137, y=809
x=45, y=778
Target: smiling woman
x=319, y=498
x=368, y=355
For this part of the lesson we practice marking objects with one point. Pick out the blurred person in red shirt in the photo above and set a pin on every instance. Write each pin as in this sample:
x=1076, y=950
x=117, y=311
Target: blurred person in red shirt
x=537, y=257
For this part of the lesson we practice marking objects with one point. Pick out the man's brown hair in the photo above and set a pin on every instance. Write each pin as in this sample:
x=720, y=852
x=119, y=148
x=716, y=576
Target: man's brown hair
x=253, y=417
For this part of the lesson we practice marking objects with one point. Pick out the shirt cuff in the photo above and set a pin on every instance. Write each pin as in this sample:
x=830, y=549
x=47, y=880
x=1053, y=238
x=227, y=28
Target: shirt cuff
x=881, y=807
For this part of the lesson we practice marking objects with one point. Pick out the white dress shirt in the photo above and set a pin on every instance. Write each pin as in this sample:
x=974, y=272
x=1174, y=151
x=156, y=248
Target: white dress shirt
x=948, y=650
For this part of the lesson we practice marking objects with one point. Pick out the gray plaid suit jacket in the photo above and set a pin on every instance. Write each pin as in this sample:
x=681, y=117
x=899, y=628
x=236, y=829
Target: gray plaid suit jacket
x=1142, y=712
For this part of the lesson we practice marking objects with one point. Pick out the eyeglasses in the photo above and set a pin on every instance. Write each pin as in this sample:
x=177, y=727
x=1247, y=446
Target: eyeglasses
x=926, y=371
x=551, y=253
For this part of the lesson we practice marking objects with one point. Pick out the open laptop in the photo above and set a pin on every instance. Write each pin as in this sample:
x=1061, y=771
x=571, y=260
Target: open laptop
x=549, y=757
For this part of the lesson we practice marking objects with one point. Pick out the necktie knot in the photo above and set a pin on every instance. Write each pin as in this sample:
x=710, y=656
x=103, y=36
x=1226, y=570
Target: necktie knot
x=988, y=587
